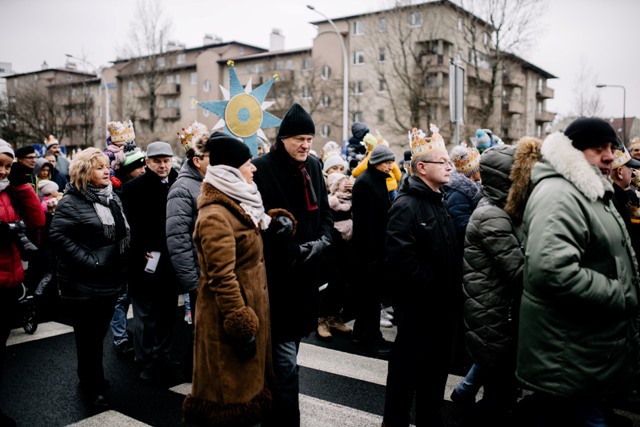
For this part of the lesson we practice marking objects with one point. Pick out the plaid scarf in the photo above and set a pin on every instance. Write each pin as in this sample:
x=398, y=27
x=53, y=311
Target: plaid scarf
x=113, y=221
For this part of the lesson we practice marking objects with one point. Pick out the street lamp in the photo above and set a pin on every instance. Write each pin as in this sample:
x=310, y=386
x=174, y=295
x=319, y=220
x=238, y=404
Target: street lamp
x=106, y=86
x=345, y=76
x=624, y=108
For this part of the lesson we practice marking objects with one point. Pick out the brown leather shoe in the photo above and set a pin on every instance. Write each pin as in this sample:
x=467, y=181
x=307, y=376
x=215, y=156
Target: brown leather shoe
x=324, y=332
x=338, y=325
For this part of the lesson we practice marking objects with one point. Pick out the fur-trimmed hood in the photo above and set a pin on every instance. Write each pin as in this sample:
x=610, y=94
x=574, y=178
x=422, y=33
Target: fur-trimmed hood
x=526, y=155
x=561, y=158
x=463, y=184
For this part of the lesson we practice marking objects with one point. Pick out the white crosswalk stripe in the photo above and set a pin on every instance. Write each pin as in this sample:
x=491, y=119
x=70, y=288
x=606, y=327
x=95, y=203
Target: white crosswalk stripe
x=109, y=418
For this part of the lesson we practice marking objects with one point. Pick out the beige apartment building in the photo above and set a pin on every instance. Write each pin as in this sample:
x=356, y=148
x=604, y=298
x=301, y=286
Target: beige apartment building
x=398, y=63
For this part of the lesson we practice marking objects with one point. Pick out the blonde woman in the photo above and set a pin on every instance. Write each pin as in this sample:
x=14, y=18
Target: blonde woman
x=90, y=235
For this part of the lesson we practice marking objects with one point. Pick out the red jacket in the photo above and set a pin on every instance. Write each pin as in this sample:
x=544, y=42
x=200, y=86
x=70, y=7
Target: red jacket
x=11, y=271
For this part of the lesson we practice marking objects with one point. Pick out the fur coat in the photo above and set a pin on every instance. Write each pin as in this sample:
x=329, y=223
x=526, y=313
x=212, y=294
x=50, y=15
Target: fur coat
x=232, y=306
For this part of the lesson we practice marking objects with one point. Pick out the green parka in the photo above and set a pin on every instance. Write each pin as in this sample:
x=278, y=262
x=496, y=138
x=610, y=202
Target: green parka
x=578, y=336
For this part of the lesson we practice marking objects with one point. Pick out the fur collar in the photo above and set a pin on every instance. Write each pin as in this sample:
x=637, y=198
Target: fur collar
x=463, y=184
x=526, y=155
x=211, y=195
x=572, y=165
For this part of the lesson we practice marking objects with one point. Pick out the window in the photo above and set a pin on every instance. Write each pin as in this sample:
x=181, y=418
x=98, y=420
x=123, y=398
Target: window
x=326, y=72
x=193, y=78
x=460, y=26
x=485, y=38
x=182, y=58
x=280, y=65
x=326, y=100
x=415, y=19
x=357, y=87
x=432, y=80
x=177, y=78
x=171, y=79
x=307, y=63
x=357, y=28
x=206, y=85
x=358, y=57
x=69, y=77
x=539, y=107
x=36, y=77
x=161, y=62
x=326, y=130
x=260, y=68
x=380, y=85
x=539, y=131
x=357, y=116
x=141, y=64
x=540, y=85
x=192, y=103
x=306, y=92
x=380, y=115
x=169, y=103
x=382, y=24
x=289, y=64
x=381, y=54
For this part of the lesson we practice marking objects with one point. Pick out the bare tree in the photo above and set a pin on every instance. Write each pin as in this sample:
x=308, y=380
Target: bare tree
x=148, y=65
x=512, y=25
x=404, y=56
x=587, y=100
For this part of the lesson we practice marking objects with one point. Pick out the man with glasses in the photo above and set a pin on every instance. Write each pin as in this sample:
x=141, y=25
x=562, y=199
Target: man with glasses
x=421, y=242
x=22, y=170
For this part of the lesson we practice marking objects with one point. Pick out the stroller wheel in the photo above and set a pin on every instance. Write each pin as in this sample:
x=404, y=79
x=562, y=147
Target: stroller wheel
x=30, y=327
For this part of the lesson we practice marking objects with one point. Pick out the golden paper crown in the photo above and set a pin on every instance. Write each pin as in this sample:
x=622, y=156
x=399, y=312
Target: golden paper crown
x=121, y=132
x=465, y=159
x=421, y=144
x=194, y=137
x=620, y=158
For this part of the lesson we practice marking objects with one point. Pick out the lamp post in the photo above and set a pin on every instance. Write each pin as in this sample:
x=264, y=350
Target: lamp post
x=624, y=108
x=106, y=87
x=345, y=75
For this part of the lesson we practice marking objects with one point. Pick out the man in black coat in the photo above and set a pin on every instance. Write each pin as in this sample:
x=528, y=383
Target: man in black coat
x=421, y=247
x=288, y=178
x=154, y=292
x=370, y=208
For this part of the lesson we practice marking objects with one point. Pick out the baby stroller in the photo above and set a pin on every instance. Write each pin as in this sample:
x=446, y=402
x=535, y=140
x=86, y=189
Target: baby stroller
x=28, y=311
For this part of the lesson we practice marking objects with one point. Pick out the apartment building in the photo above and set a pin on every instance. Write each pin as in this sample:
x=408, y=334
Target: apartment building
x=398, y=63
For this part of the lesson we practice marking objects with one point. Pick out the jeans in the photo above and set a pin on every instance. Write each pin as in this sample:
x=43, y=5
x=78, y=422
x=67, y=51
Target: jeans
x=286, y=407
x=470, y=385
x=119, y=319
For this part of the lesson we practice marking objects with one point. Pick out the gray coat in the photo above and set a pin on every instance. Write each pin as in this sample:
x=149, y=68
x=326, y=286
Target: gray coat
x=182, y=211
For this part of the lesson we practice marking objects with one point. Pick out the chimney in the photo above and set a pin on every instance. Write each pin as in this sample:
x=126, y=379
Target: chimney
x=211, y=39
x=44, y=65
x=277, y=40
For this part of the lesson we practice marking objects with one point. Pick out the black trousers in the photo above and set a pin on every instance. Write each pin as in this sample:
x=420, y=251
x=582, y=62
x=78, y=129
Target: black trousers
x=9, y=312
x=90, y=319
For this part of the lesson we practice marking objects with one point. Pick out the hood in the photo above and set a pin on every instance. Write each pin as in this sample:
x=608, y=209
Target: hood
x=359, y=130
x=527, y=154
x=40, y=163
x=463, y=184
x=561, y=158
x=495, y=168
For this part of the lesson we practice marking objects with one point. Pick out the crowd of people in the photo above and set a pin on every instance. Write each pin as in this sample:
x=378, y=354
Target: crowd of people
x=518, y=262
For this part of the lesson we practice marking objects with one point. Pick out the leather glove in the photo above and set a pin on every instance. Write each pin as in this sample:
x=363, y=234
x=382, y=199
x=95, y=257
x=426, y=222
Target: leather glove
x=312, y=249
x=245, y=349
x=281, y=226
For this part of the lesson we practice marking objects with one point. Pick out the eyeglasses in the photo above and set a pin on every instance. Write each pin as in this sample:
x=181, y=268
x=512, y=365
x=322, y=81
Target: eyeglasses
x=437, y=163
x=30, y=157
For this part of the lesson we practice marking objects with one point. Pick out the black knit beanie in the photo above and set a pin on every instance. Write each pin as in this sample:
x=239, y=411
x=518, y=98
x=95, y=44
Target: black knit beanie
x=296, y=122
x=590, y=132
x=23, y=152
x=227, y=150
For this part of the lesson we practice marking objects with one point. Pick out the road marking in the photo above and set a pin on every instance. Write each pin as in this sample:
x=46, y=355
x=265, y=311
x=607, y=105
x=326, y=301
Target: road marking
x=109, y=418
x=45, y=330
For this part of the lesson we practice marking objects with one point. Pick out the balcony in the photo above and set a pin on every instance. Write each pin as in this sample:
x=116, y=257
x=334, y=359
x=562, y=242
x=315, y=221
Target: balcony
x=472, y=100
x=544, y=93
x=514, y=79
x=545, y=116
x=515, y=106
x=169, y=89
x=172, y=113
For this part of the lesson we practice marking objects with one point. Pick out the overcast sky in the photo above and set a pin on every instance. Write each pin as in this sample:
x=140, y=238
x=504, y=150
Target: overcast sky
x=601, y=37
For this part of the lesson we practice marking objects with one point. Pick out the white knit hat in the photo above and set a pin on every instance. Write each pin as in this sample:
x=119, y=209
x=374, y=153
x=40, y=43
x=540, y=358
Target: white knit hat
x=47, y=187
x=334, y=160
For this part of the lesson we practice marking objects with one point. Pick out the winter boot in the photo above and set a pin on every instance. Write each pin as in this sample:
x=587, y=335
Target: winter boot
x=324, y=332
x=338, y=325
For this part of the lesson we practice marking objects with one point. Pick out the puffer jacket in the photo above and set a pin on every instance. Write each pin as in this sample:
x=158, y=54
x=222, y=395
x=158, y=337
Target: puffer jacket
x=578, y=335
x=462, y=196
x=11, y=271
x=493, y=263
x=90, y=264
x=182, y=211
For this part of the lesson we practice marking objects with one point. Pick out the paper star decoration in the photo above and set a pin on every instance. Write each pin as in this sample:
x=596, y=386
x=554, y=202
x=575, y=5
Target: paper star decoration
x=242, y=113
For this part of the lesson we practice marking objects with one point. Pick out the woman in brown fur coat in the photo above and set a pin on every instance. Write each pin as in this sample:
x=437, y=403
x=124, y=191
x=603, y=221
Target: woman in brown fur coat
x=232, y=354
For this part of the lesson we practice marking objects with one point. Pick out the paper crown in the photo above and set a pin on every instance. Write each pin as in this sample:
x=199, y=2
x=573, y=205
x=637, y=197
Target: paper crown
x=465, y=159
x=194, y=137
x=421, y=144
x=620, y=158
x=51, y=140
x=121, y=132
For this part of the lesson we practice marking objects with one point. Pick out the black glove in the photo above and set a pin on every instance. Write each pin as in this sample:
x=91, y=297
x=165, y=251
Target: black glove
x=281, y=226
x=245, y=349
x=5, y=232
x=312, y=249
